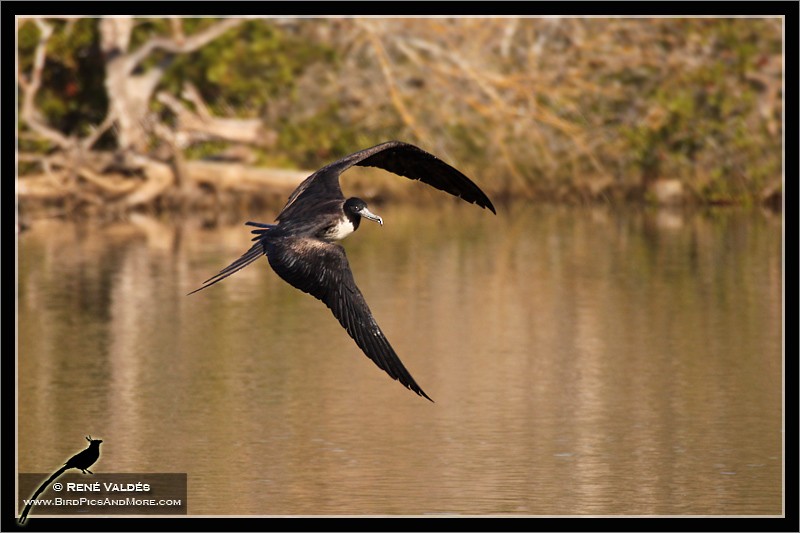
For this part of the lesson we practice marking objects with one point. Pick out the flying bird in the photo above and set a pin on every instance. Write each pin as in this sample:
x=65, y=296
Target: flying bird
x=301, y=248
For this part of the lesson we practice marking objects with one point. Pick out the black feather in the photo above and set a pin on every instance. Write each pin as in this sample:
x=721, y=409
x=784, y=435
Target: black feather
x=300, y=248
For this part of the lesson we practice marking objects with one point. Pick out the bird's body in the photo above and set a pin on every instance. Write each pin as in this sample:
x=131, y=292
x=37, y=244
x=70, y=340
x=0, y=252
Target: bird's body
x=85, y=458
x=302, y=247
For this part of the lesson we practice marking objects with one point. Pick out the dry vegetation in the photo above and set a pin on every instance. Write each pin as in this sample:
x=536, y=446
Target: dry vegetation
x=118, y=114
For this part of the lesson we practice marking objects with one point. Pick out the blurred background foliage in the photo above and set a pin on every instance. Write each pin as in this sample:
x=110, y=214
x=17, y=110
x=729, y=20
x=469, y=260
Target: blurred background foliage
x=547, y=108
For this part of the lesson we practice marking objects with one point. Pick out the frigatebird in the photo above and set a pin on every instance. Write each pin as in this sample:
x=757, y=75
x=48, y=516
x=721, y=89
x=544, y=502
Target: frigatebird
x=301, y=248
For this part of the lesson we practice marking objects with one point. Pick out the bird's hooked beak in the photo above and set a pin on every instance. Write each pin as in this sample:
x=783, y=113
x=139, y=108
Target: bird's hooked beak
x=366, y=213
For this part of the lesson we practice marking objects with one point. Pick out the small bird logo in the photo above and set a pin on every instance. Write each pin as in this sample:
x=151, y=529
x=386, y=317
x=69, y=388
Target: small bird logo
x=82, y=461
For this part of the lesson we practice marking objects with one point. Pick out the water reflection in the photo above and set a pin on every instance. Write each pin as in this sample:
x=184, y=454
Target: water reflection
x=583, y=361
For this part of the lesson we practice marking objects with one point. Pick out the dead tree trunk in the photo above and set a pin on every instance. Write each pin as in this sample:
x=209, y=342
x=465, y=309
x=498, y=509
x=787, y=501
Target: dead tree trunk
x=130, y=91
x=133, y=175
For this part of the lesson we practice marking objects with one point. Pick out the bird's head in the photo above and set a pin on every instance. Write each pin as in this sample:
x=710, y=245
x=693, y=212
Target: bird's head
x=92, y=441
x=358, y=207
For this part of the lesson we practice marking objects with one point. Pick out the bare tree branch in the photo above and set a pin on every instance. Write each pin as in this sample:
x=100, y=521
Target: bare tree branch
x=98, y=131
x=202, y=126
x=386, y=69
x=30, y=87
x=110, y=184
x=191, y=93
x=178, y=46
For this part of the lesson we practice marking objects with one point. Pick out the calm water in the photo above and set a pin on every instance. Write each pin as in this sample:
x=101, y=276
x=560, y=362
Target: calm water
x=582, y=360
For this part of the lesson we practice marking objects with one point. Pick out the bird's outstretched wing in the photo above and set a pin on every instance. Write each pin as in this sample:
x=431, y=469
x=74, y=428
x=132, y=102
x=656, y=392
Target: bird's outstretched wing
x=399, y=158
x=321, y=269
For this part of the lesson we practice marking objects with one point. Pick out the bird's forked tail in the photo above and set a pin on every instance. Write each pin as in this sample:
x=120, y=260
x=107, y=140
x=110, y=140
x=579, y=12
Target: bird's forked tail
x=248, y=257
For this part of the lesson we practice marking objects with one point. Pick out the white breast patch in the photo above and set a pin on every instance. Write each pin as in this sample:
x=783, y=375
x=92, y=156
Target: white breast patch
x=341, y=230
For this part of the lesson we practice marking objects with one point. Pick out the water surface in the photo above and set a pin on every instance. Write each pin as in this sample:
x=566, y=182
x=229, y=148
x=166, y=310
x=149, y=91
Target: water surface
x=583, y=361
